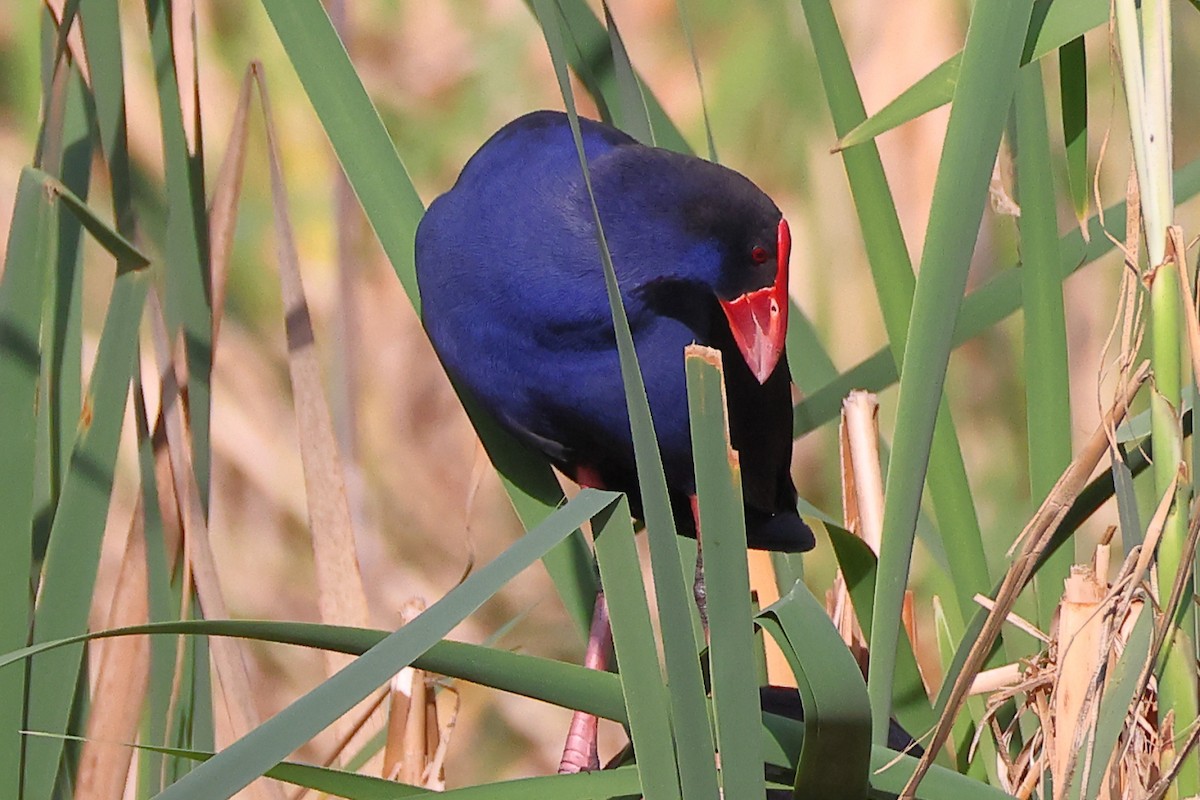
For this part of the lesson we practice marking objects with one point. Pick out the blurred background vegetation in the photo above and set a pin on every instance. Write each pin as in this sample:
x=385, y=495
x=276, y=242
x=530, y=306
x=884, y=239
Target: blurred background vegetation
x=444, y=75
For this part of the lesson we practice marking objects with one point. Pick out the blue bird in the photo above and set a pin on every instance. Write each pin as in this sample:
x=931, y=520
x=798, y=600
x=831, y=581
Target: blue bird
x=515, y=304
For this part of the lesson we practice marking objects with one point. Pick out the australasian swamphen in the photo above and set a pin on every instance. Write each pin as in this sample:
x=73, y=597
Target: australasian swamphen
x=515, y=305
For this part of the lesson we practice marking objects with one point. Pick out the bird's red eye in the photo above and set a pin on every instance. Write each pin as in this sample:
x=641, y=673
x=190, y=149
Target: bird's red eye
x=759, y=254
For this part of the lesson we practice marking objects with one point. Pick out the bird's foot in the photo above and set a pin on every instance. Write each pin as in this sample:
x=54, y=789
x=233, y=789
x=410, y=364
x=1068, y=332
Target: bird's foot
x=580, y=753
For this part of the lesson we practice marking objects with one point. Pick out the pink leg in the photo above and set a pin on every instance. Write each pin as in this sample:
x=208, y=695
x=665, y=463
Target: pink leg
x=580, y=753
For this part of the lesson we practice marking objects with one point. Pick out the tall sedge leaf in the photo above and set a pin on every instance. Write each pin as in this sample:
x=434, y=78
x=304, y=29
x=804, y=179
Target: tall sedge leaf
x=1051, y=26
x=1047, y=385
x=584, y=29
x=188, y=283
x=252, y=755
x=894, y=286
x=64, y=335
x=982, y=309
x=1072, y=87
x=694, y=741
x=837, y=714
x=1146, y=70
x=990, y=61
x=632, y=115
x=889, y=771
x=544, y=679
x=620, y=782
x=681, y=6
x=392, y=206
x=636, y=110
x=102, y=42
x=28, y=259
x=1119, y=691
x=726, y=577
x=858, y=565
x=162, y=602
x=73, y=553
x=647, y=703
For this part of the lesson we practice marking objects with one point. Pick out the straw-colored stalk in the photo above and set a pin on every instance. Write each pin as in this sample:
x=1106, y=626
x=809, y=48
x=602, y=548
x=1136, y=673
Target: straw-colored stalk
x=862, y=509
x=415, y=746
x=1064, y=686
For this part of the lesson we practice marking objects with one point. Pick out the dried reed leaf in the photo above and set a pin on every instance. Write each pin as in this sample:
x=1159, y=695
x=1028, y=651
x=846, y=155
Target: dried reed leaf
x=995, y=679
x=1016, y=620
x=860, y=414
x=413, y=733
x=1080, y=635
x=342, y=599
x=862, y=504
x=74, y=38
x=763, y=585
x=183, y=44
x=227, y=653
x=121, y=677
x=222, y=211
x=1033, y=540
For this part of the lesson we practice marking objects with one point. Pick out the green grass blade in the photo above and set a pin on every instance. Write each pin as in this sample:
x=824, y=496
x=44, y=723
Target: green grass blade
x=127, y=255
x=1119, y=690
x=340, y=783
x=162, y=603
x=73, y=554
x=584, y=29
x=556, y=682
x=932, y=91
x=694, y=740
x=64, y=335
x=895, y=285
x=889, y=774
x=393, y=208
x=188, y=303
x=837, y=714
x=686, y=26
x=808, y=359
x=647, y=704
x=1047, y=385
x=1073, y=83
x=334, y=782
x=910, y=704
x=252, y=755
x=1127, y=510
x=982, y=309
x=102, y=43
x=632, y=115
x=981, y=101
x=1052, y=26
x=28, y=258
x=726, y=578
x=355, y=130
x=804, y=350
x=889, y=770
x=527, y=675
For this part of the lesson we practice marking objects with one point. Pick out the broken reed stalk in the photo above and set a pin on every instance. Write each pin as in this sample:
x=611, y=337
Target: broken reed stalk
x=862, y=504
x=862, y=510
x=1034, y=540
x=414, y=736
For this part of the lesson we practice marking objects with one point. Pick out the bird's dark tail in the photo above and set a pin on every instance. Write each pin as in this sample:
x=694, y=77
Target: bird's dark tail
x=783, y=532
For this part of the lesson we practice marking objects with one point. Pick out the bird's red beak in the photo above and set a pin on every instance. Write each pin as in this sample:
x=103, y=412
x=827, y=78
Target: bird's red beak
x=758, y=319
